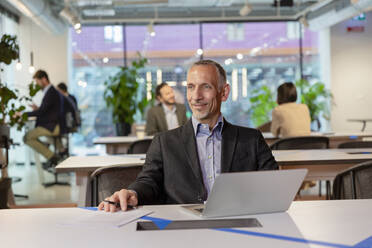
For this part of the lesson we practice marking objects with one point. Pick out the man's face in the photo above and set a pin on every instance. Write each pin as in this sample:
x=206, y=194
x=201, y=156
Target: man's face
x=42, y=82
x=167, y=95
x=203, y=93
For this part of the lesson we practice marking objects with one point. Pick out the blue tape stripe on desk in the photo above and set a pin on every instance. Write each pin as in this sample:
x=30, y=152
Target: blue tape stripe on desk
x=353, y=137
x=90, y=208
x=367, y=243
x=162, y=223
x=280, y=237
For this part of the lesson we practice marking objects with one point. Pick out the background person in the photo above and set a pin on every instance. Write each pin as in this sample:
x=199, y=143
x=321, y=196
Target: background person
x=182, y=164
x=168, y=114
x=290, y=118
x=48, y=117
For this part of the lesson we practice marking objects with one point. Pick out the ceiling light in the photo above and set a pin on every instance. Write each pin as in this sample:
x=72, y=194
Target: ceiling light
x=150, y=29
x=304, y=21
x=247, y=8
x=31, y=69
x=19, y=66
x=199, y=51
x=77, y=25
x=239, y=56
x=71, y=17
x=78, y=31
x=105, y=60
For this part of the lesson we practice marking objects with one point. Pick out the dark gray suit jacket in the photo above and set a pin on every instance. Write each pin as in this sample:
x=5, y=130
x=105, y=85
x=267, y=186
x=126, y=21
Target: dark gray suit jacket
x=172, y=173
x=156, y=122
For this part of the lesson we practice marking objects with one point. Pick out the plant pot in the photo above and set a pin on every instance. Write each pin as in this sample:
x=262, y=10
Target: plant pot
x=4, y=131
x=123, y=129
x=5, y=184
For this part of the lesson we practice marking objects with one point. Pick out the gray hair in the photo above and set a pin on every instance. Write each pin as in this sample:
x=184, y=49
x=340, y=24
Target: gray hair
x=219, y=69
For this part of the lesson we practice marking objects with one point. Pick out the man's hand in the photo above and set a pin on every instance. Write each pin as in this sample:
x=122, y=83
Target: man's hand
x=34, y=106
x=124, y=197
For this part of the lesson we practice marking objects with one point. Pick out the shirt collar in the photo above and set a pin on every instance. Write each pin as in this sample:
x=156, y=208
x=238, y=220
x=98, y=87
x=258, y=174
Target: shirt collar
x=167, y=110
x=197, y=125
x=47, y=88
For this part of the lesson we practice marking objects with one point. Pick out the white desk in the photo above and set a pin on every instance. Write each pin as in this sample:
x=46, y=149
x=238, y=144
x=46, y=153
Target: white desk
x=323, y=164
x=338, y=223
x=84, y=166
x=334, y=138
x=118, y=144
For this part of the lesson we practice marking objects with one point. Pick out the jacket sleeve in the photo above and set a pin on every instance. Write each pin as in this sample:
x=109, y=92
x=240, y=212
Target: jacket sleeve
x=265, y=158
x=151, y=128
x=149, y=182
x=46, y=104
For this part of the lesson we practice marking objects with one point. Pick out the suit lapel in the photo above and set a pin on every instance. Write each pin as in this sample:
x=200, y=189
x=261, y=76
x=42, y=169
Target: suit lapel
x=189, y=141
x=162, y=120
x=179, y=115
x=229, y=137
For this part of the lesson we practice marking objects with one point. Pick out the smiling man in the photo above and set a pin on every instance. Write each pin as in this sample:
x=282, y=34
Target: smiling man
x=182, y=164
x=168, y=114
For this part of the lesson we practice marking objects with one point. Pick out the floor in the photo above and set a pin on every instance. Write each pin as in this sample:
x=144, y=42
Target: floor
x=38, y=194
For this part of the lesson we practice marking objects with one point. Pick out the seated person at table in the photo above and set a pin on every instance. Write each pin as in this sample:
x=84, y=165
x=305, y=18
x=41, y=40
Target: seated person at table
x=168, y=114
x=48, y=117
x=290, y=118
x=182, y=164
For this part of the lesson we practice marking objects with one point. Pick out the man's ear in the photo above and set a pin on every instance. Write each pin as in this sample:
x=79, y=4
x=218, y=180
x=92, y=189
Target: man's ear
x=225, y=92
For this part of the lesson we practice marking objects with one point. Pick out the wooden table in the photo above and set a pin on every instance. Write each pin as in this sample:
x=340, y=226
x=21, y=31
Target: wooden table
x=118, y=144
x=334, y=138
x=323, y=164
x=337, y=224
x=85, y=166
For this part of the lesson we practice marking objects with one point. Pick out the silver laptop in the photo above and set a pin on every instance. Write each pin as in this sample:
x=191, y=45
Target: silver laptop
x=256, y=192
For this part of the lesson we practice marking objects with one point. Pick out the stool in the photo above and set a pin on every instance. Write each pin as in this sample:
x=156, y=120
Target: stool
x=56, y=153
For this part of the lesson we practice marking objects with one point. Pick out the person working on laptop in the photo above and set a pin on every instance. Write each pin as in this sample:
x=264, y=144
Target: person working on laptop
x=182, y=164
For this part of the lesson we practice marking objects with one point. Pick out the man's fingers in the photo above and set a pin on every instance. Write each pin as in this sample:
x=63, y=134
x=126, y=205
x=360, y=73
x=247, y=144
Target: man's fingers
x=101, y=206
x=123, y=196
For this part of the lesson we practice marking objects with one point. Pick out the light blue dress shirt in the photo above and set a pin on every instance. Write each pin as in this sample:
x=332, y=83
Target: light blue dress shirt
x=171, y=117
x=209, y=150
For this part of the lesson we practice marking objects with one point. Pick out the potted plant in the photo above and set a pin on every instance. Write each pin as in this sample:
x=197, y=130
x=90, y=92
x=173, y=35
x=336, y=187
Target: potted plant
x=262, y=102
x=9, y=51
x=121, y=95
x=316, y=97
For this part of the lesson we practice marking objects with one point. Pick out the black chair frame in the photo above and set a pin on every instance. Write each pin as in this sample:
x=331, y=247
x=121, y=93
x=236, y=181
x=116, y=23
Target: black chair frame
x=351, y=171
x=94, y=181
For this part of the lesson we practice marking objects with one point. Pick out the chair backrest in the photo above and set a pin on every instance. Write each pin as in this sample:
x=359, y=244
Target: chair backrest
x=106, y=180
x=139, y=146
x=354, y=183
x=356, y=144
x=303, y=142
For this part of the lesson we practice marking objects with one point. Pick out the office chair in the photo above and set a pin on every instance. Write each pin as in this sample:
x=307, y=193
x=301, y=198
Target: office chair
x=301, y=142
x=106, y=180
x=356, y=144
x=354, y=183
x=305, y=142
x=139, y=146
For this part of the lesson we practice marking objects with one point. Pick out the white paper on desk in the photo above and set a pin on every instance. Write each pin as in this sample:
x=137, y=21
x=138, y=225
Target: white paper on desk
x=107, y=219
